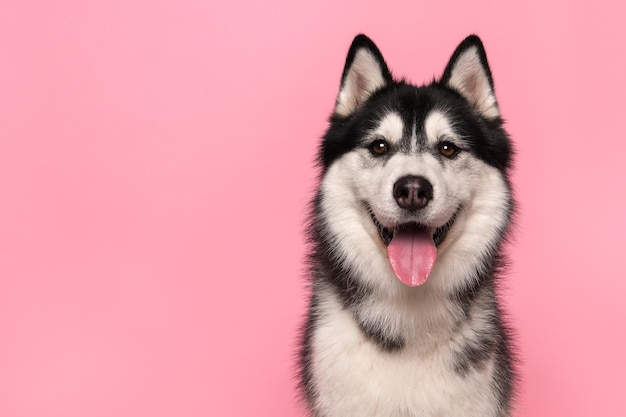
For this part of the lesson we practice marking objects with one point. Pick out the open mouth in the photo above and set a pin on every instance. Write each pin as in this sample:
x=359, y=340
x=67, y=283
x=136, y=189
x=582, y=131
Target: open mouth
x=412, y=248
x=438, y=235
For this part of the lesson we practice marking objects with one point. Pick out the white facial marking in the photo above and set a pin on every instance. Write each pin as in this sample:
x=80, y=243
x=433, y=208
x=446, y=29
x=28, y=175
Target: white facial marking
x=437, y=126
x=391, y=128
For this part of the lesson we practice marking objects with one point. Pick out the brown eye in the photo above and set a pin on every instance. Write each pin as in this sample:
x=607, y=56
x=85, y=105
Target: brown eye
x=448, y=150
x=379, y=147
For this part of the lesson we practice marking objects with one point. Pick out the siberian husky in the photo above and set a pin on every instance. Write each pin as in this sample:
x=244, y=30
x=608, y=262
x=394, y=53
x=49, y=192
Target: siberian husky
x=406, y=232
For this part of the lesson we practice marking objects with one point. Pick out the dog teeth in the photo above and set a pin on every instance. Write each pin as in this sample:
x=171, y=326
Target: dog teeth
x=386, y=234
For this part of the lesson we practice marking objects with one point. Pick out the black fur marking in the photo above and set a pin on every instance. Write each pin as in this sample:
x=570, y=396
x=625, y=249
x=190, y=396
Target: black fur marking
x=465, y=296
x=486, y=139
x=474, y=355
x=378, y=336
x=504, y=381
x=307, y=389
x=476, y=351
x=494, y=344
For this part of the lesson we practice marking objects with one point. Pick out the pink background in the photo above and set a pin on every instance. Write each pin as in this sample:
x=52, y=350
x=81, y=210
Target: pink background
x=155, y=165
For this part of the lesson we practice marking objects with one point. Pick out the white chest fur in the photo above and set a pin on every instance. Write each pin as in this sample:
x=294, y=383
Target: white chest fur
x=354, y=377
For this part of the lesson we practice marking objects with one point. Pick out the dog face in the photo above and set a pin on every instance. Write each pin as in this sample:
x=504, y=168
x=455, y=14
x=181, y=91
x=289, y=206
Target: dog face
x=412, y=171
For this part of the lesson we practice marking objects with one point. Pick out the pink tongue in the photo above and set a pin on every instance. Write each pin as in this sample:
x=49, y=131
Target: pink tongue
x=412, y=254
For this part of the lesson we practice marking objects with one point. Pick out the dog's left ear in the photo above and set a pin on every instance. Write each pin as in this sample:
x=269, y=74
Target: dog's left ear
x=468, y=73
x=364, y=73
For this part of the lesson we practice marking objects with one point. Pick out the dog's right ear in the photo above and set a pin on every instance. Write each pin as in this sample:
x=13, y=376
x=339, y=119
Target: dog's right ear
x=364, y=73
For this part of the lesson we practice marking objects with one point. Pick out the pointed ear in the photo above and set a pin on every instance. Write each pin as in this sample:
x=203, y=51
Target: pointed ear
x=468, y=73
x=364, y=73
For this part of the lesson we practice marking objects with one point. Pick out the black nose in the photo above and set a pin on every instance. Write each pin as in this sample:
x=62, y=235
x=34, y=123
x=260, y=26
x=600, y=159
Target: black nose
x=412, y=192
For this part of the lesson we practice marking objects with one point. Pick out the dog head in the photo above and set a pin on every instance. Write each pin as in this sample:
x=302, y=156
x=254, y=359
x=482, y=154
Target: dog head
x=413, y=173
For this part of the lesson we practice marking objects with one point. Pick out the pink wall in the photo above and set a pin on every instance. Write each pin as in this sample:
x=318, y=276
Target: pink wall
x=155, y=164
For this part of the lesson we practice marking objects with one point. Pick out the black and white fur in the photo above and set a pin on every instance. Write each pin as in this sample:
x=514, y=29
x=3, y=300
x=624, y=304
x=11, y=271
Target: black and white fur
x=372, y=346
